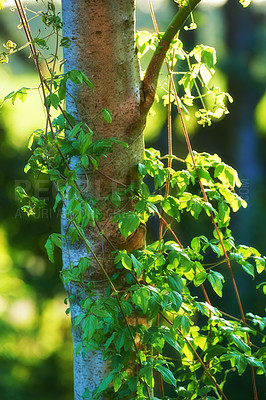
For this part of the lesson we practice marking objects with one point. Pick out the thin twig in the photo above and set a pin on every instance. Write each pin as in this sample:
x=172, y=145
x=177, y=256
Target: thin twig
x=197, y=356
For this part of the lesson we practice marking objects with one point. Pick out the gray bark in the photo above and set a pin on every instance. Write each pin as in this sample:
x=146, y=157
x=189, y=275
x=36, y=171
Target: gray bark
x=102, y=46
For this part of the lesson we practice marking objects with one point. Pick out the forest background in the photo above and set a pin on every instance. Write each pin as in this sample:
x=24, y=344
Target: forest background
x=35, y=334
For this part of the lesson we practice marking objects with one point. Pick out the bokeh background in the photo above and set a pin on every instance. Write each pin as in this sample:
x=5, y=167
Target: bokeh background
x=35, y=335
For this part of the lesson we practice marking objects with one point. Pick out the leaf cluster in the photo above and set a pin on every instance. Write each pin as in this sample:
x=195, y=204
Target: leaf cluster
x=160, y=304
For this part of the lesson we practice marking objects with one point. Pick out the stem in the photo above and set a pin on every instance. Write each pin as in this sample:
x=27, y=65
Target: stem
x=170, y=147
x=27, y=31
x=167, y=35
x=217, y=231
x=196, y=85
x=52, y=72
x=227, y=260
x=197, y=356
x=159, y=374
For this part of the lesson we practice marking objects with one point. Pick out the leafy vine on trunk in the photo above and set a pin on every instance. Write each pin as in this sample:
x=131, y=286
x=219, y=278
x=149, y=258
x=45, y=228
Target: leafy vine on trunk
x=129, y=299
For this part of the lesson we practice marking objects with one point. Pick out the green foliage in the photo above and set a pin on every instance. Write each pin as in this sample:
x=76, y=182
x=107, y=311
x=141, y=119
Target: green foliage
x=245, y=3
x=20, y=94
x=2, y=3
x=162, y=279
x=197, y=68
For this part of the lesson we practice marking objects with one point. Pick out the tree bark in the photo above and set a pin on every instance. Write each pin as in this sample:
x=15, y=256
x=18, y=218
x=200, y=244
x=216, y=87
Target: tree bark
x=102, y=46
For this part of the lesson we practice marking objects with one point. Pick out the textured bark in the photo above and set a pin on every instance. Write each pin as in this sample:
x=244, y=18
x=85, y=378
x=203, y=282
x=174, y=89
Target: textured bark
x=102, y=46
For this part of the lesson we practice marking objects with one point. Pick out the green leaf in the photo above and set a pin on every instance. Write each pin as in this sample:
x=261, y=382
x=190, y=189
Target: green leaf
x=100, y=312
x=84, y=159
x=239, y=343
x=41, y=43
x=36, y=133
x=175, y=282
x=104, y=384
x=141, y=298
x=53, y=100
x=119, y=339
x=215, y=249
x=241, y=364
x=140, y=206
x=142, y=169
x=127, y=223
x=89, y=326
x=199, y=278
x=85, y=139
x=84, y=264
x=78, y=319
x=20, y=94
x=87, y=81
x=171, y=206
x=132, y=383
x=137, y=265
x=55, y=239
x=65, y=42
x=75, y=130
x=78, y=76
x=147, y=374
x=75, y=76
x=21, y=193
x=107, y=115
x=2, y=3
x=86, y=394
x=205, y=73
x=176, y=299
x=115, y=199
x=117, y=381
x=248, y=268
x=256, y=319
x=223, y=213
x=182, y=322
x=78, y=348
x=195, y=207
x=57, y=201
x=245, y=3
x=195, y=244
x=214, y=351
x=209, y=56
x=216, y=280
x=109, y=340
x=62, y=89
x=255, y=363
x=167, y=375
x=173, y=343
x=126, y=261
x=203, y=391
x=260, y=264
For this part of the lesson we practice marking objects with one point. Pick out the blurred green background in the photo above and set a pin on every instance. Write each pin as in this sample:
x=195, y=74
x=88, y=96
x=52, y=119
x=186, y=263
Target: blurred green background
x=35, y=335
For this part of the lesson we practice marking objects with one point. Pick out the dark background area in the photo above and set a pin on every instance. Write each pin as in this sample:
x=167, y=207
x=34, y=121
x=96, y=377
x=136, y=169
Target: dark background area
x=35, y=337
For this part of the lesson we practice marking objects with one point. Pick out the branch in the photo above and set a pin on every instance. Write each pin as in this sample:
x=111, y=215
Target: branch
x=149, y=82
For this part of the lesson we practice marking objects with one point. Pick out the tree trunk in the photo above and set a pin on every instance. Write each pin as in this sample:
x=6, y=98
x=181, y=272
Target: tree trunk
x=102, y=46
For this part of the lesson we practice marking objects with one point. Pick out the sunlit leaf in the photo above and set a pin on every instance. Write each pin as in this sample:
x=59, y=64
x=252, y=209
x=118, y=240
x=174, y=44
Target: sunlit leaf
x=2, y=3
x=141, y=298
x=127, y=223
x=216, y=280
x=167, y=375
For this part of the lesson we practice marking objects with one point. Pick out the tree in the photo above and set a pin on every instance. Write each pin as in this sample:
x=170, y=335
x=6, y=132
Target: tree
x=98, y=168
x=110, y=59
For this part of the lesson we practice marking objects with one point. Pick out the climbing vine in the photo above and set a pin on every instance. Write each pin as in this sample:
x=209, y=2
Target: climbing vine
x=155, y=286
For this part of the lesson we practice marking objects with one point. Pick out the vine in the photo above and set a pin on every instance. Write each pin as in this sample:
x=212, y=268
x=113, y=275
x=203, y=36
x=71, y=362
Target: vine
x=160, y=280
